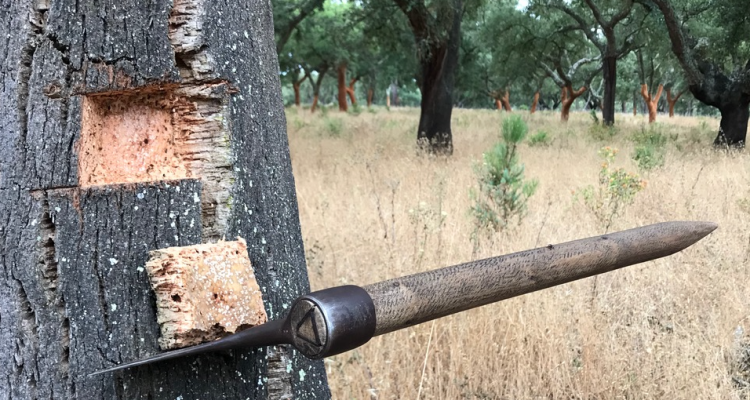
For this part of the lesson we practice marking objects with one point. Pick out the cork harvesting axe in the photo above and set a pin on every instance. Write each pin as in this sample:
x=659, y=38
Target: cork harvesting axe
x=339, y=319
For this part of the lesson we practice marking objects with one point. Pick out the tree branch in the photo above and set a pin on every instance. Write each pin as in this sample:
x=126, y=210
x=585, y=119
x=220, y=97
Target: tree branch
x=419, y=17
x=582, y=24
x=581, y=62
x=621, y=15
x=285, y=32
x=679, y=43
x=597, y=14
x=552, y=74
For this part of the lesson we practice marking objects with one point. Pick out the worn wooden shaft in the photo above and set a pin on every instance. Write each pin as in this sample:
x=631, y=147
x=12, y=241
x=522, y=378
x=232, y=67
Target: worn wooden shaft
x=422, y=297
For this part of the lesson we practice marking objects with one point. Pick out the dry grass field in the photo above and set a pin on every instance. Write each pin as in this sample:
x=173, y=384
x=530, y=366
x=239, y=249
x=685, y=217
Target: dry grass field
x=675, y=328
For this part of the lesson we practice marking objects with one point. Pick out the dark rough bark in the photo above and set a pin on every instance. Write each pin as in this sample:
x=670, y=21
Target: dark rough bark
x=733, y=126
x=609, y=65
x=437, y=75
x=434, y=133
x=438, y=61
x=72, y=298
x=718, y=90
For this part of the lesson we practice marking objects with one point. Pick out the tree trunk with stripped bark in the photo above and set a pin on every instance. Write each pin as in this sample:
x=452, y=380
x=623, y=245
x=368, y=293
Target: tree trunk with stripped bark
x=123, y=131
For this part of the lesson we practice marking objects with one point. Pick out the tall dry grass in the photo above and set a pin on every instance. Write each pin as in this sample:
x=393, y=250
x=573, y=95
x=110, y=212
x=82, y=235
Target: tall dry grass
x=372, y=209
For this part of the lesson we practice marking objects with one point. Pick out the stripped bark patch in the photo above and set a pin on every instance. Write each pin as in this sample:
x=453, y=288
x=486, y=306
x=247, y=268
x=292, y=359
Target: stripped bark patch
x=159, y=134
x=129, y=137
x=204, y=292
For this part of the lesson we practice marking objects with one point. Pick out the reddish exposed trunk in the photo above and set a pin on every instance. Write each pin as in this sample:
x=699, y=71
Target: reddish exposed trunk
x=567, y=97
x=341, y=78
x=316, y=87
x=534, y=102
x=501, y=102
x=295, y=85
x=370, y=93
x=506, y=101
x=673, y=100
x=651, y=102
x=350, y=91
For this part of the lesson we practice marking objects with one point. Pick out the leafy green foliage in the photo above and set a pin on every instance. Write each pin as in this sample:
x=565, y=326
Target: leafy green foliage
x=355, y=109
x=503, y=189
x=602, y=132
x=594, y=117
x=650, y=148
x=616, y=190
x=334, y=126
x=540, y=138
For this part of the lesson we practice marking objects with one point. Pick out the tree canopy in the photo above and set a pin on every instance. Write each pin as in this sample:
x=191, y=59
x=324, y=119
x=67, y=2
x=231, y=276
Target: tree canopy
x=542, y=54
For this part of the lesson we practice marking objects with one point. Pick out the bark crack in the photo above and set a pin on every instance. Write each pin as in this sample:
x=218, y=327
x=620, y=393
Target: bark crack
x=49, y=269
x=279, y=384
x=24, y=75
x=100, y=284
x=29, y=338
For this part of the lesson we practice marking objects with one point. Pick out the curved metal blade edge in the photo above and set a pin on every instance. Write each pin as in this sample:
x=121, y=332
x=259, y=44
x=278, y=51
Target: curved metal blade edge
x=267, y=334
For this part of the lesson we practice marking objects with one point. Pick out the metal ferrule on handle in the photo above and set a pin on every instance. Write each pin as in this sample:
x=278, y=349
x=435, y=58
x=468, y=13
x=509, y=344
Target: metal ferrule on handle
x=331, y=321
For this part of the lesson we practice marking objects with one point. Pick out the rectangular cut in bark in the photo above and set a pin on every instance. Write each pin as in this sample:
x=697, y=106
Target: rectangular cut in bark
x=129, y=137
x=204, y=292
x=157, y=133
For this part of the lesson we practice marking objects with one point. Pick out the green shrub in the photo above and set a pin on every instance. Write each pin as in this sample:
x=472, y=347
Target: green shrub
x=334, y=126
x=616, y=189
x=650, y=148
x=602, y=132
x=503, y=190
x=355, y=109
x=594, y=117
x=540, y=138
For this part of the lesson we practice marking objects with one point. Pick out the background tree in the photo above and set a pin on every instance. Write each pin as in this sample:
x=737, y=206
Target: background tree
x=611, y=25
x=288, y=14
x=505, y=52
x=313, y=49
x=710, y=40
x=437, y=34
